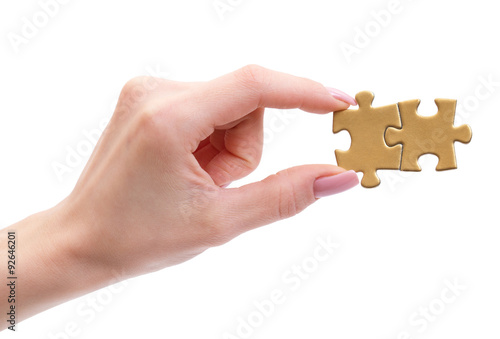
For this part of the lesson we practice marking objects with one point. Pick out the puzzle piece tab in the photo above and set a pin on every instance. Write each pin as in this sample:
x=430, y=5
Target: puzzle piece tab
x=369, y=151
x=428, y=135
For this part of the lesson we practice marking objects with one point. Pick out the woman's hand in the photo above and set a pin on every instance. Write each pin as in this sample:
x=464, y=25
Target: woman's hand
x=152, y=194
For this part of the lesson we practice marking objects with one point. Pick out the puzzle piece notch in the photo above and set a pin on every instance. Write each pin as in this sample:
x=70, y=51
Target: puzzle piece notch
x=366, y=126
x=428, y=134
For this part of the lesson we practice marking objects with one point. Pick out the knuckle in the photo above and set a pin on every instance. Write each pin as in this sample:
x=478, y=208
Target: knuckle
x=134, y=87
x=154, y=129
x=145, y=130
x=237, y=166
x=251, y=74
x=133, y=95
x=146, y=122
x=153, y=120
x=247, y=150
x=138, y=90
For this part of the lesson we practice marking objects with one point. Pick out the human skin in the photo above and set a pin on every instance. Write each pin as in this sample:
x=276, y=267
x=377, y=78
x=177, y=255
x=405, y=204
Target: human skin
x=153, y=192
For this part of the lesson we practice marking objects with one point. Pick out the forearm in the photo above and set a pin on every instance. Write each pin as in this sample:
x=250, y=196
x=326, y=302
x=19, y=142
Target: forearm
x=51, y=264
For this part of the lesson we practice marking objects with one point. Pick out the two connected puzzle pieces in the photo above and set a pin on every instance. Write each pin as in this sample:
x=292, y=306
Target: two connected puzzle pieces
x=395, y=136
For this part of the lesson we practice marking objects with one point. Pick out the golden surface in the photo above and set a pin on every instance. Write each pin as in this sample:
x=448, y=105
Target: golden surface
x=395, y=136
x=368, y=151
x=428, y=135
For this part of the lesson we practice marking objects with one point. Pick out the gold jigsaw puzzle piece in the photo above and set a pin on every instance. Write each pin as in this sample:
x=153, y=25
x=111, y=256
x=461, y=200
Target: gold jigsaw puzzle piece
x=428, y=135
x=369, y=151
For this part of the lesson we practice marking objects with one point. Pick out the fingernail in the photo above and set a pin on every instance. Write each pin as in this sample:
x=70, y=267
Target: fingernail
x=342, y=96
x=334, y=184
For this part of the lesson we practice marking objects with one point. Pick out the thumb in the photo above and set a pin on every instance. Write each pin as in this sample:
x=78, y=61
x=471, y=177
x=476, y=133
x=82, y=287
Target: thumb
x=283, y=194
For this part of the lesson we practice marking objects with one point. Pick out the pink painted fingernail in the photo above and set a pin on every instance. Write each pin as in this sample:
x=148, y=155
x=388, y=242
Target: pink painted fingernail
x=334, y=184
x=342, y=96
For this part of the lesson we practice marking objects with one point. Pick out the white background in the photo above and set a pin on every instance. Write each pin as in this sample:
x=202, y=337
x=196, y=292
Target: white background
x=399, y=243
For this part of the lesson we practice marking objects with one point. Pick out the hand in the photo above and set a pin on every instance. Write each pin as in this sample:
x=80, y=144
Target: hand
x=152, y=194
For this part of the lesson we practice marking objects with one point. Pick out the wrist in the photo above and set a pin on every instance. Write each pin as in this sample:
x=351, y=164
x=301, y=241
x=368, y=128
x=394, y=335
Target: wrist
x=55, y=263
x=77, y=238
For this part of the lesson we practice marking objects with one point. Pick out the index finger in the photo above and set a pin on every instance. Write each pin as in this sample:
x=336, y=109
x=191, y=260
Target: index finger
x=236, y=94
